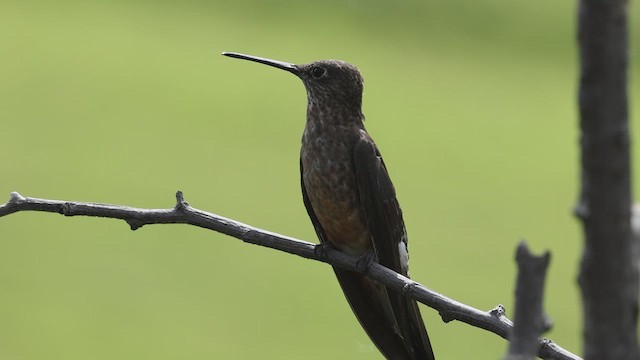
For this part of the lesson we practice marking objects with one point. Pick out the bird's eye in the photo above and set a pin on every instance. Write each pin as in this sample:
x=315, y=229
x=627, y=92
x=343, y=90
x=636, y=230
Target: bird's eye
x=317, y=72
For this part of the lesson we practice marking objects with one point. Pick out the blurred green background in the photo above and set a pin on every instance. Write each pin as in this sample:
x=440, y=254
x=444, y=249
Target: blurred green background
x=472, y=104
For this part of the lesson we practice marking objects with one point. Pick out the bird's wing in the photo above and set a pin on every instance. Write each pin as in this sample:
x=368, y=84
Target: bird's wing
x=381, y=208
x=389, y=237
x=368, y=300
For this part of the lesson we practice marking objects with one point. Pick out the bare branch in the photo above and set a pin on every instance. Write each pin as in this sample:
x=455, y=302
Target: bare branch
x=529, y=319
x=494, y=320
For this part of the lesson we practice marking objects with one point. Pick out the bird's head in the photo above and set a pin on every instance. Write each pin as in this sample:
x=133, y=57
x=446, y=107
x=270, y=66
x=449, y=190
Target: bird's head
x=328, y=82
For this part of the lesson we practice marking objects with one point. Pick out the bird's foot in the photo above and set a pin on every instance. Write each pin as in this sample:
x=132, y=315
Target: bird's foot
x=320, y=250
x=365, y=260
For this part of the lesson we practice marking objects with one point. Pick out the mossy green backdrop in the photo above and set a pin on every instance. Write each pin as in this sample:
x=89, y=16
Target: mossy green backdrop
x=472, y=104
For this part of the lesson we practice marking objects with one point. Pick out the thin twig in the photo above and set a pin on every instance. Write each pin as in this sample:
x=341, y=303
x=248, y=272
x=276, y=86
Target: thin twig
x=494, y=320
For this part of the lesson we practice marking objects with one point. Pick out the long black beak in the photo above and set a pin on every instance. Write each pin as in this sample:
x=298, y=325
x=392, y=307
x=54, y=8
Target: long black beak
x=292, y=68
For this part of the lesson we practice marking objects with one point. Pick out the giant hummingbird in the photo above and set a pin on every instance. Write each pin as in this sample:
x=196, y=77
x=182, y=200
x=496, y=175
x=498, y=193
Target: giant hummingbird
x=352, y=203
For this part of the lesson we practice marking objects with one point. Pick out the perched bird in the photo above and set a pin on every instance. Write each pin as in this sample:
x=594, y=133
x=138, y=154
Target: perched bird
x=352, y=203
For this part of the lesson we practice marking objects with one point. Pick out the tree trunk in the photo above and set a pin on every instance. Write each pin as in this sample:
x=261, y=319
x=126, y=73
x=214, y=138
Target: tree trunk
x=608, y=275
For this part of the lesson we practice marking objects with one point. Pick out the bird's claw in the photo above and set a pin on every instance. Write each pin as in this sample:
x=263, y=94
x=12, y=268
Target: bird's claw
x=320, y=250
x=365, y=260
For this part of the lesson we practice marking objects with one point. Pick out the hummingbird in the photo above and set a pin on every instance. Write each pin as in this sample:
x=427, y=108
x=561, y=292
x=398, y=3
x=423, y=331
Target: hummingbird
x=352, y=203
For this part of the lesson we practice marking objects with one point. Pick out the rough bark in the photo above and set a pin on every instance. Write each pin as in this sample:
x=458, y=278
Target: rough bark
x=608, y=274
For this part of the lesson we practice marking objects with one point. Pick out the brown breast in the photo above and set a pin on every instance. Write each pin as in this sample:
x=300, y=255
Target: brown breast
x=329, y=180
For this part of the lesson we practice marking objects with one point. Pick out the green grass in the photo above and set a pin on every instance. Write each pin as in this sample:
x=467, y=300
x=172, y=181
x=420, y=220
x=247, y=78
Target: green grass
x=471, y=103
